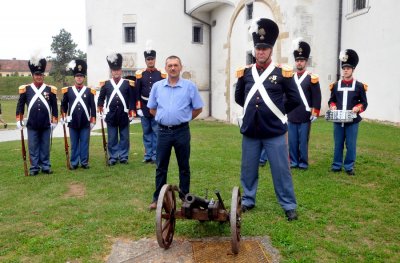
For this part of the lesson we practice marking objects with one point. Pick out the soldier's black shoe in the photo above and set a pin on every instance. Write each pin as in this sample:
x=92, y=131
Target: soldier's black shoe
x=124, y=162
x=351, y=172
x=85, y=166
x=74, y=167
x=246, y=208
x=111, y=163
x=47, y=171
x=33, y=173
x=262, y=164
x=146, y=161
x=291, y=215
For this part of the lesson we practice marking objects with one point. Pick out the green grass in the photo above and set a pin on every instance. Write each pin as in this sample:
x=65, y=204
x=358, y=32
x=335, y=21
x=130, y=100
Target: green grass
x=341, y=218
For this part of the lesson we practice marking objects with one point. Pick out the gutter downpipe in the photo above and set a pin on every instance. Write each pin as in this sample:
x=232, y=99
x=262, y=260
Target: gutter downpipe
x=209, y=58
x=339, y=38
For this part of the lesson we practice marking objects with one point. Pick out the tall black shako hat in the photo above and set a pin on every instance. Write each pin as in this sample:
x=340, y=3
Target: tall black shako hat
x=348, y=58
x=264, y=32
x=37, y=65
x=149, y=52
x=301, y=49
x=77, y=67
x=114, y=61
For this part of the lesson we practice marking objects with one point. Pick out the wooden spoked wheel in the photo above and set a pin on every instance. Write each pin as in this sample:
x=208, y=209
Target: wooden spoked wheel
x=235, y=219
x=165, y=216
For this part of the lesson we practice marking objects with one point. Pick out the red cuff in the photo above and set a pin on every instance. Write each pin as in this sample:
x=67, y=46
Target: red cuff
x=361, y=107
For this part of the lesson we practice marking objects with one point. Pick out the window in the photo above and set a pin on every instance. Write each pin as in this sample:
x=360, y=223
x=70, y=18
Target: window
x=90, y=37
x=356, y=8
x=250, y=59
x=358, y=5
x=198, y=34
x=249, y=11
x=129, y=33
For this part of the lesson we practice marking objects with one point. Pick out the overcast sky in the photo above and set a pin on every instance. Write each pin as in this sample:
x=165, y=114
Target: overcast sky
x=27, y=26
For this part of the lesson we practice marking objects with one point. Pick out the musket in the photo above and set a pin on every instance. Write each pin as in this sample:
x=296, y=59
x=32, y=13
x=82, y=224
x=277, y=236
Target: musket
x=23, y=146
x=66, y=146
x=104, y=140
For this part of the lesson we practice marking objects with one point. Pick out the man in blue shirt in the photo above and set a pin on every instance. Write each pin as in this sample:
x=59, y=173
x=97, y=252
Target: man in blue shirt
x=174, y=102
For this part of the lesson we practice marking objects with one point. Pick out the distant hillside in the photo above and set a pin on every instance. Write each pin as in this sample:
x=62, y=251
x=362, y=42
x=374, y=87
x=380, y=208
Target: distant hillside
x=9, y=85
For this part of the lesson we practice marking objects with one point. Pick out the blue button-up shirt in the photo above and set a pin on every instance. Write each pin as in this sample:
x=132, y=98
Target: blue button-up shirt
x=174, y=105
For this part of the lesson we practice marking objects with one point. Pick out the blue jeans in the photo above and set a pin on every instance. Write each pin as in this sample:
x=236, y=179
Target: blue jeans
x=346, y=134
x=263, y=156
x=118, y=150
x=180, y=140
x=277, y=153
x=149, y=127
x=39, y=149
x=299, y=134
x=79, y=146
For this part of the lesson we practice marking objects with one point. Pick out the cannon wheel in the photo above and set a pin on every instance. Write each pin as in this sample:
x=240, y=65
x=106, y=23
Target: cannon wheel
x=236, y=211
x=165, y=216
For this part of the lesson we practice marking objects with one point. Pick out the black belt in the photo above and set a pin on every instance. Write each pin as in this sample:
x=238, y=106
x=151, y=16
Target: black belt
x=173, y=127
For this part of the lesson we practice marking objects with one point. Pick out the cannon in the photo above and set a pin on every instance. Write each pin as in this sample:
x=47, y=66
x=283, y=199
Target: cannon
x=197, y=208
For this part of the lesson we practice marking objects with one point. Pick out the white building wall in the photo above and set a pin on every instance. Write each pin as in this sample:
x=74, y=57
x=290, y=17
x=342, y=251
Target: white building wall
x=375, y=37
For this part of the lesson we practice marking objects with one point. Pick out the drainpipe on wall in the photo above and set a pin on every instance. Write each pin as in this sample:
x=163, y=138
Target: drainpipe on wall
x=339, y=38
x=209, y=58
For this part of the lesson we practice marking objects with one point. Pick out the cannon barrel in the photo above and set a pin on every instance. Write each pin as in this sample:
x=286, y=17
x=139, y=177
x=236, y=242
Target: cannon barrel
x=195, y=201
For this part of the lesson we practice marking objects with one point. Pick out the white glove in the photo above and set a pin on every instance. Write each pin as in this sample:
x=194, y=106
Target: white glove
x=20, y=125
x=139, y=113
x=313, y=118
x=92, y=125
x=53, y=125
x=102, y=116
x=62, y=121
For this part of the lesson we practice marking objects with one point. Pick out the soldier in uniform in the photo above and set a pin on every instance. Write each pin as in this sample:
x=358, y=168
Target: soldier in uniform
x=300, y=118
x=117, y=103
x=347, y=94
x=144, y=81
x=266, y=92
x=42, y=116
x=79, y=111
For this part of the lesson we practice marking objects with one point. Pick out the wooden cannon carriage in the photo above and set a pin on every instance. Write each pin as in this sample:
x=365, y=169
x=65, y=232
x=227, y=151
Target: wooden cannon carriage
x=196, y=208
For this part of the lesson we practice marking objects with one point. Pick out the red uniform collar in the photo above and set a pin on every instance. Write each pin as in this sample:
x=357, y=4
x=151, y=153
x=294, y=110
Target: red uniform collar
x=116, y=80
x=79, y=86
x=347, y=82
x=262, y=68
x=151, y=69
x=37, y=84
x=299, y=73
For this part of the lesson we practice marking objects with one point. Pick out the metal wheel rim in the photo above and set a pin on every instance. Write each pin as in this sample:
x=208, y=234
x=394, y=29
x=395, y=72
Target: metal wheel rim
x=165, y=216
x=235, y=219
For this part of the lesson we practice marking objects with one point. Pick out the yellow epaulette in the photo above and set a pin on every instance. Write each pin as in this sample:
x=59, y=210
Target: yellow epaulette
x=365, y=87
x=53, y=89
x=314, y=78
x=93, y=91
x=101, y=83
x=240, y=72
x=331, y=86
x=138, y=74
x=287, y=71
x=131, y=83
x=163, y=74
x=64, y=90
x=22, y=89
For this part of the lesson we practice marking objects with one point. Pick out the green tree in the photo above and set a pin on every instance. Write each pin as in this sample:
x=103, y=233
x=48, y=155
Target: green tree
x=65, y=49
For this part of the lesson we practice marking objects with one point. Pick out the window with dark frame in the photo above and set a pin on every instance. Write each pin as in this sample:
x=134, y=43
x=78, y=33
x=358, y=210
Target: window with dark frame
x=249, y=58
x=359, y=4
x=198, y=34
x=129, y=32
x=90, y=37
x=249, y=11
